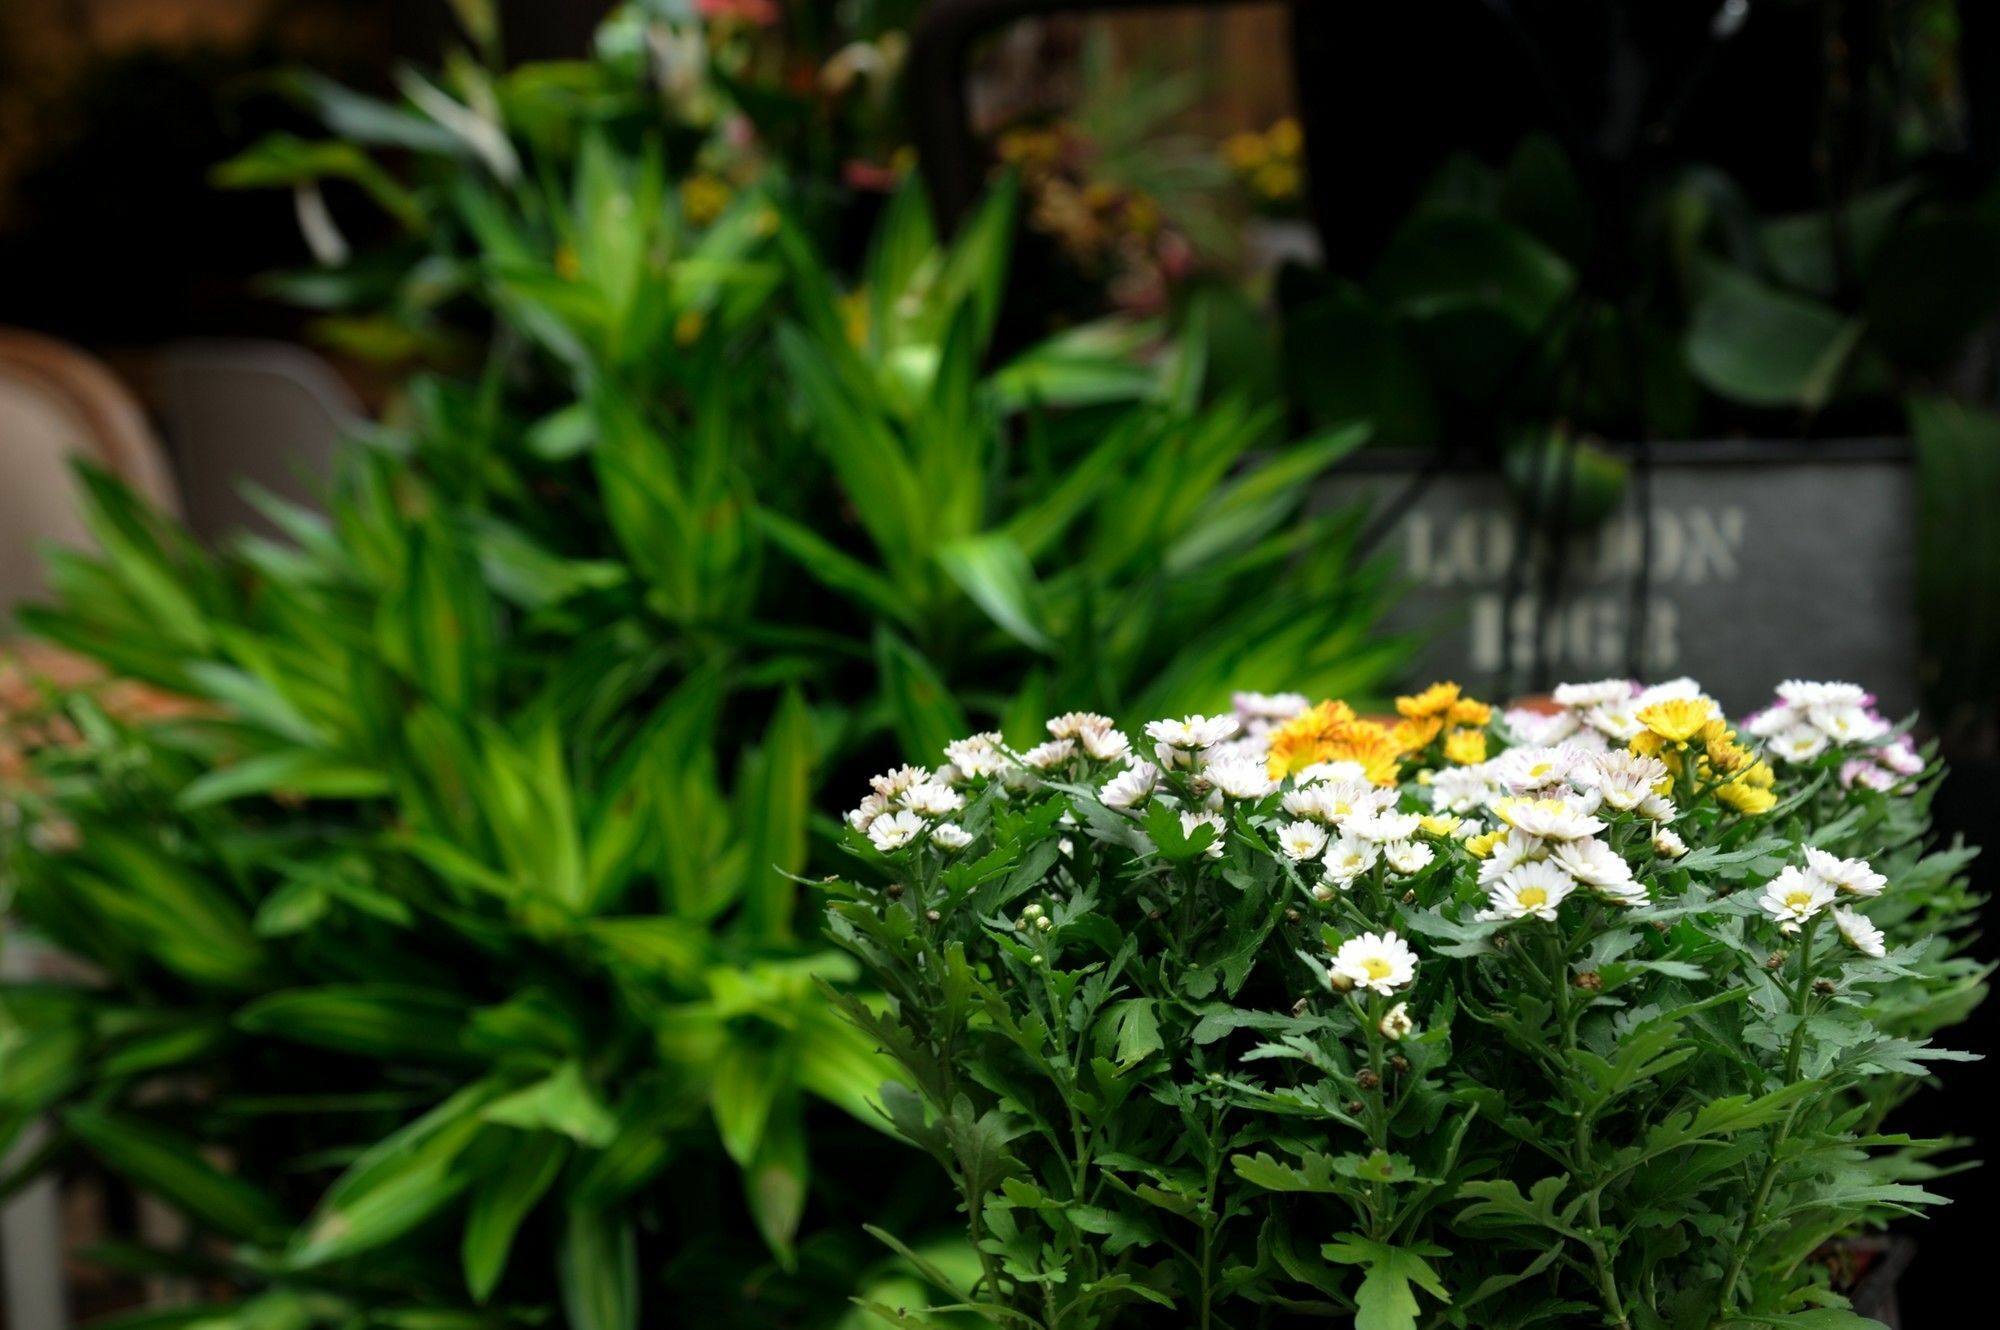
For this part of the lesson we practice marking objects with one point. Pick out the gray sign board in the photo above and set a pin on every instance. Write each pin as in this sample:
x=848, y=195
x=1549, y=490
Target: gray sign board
x=1763, y=562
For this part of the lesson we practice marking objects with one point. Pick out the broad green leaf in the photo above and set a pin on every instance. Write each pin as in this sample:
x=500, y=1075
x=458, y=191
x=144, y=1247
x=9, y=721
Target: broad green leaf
x=500, y=1202
x=996, y=574
x=390, y=1021
x=563, y=1102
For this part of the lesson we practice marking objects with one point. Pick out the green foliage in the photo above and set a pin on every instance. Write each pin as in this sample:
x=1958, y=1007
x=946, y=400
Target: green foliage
x=1550, y=1039
x=451, y=952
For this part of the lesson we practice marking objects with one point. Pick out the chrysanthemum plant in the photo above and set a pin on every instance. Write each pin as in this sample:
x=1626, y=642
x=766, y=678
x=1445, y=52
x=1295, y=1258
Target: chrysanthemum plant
x=1575, y=1016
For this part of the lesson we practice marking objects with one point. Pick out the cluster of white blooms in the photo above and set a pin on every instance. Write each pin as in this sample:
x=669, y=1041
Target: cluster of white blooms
x=1593, y=716
x=1809, y=719
x=907, y=803
x=1552, y=804
x=911, y=805
x=1796, y=895
x=1574, y=807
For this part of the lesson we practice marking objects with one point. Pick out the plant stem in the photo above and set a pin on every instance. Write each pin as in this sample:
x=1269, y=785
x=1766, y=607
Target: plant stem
x=1794, y=1051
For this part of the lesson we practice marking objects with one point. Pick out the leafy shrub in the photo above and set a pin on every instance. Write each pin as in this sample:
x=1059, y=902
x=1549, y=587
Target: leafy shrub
x=447, y=955
x=1307, y=1014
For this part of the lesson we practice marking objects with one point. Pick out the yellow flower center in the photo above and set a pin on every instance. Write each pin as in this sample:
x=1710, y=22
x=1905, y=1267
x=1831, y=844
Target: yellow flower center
x=1799, y=900
x=1377, y=967
x=1531, y=897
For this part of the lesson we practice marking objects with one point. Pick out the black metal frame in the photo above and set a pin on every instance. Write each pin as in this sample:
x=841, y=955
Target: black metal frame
x=946, y=146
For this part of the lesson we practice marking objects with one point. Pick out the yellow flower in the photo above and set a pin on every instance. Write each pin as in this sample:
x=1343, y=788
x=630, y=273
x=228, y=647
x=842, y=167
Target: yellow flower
x=1482, y=844
x=1414, y=734
x=1331, y=732
x=1298, y=743
x=1746, y=798
x=1278, y=180
x=1246, y=151
x=1286, y=138
x=1440, y=824
x=1723, y=752
x=855, y=319
x=703, y=197
x=1678, y=719
x=1466, y=747
x=1466, y=711
x=1436, y=700
x=1371, y=745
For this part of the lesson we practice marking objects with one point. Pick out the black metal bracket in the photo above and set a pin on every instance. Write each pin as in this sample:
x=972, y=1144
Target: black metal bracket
x=946, y=147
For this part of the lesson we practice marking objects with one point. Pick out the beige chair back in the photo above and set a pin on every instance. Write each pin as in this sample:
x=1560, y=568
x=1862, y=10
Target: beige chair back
x=57, y=404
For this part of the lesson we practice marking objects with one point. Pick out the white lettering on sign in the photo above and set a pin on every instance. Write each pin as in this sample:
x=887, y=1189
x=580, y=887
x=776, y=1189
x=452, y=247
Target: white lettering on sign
x=1587, y=628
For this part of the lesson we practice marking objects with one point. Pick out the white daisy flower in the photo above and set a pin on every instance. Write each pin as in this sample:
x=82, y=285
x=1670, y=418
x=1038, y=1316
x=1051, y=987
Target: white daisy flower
x=1657, y=808
x=1774, y=720
x=1551, y=819
x=1590, y=741
x=1852, y=876
x=1673, y=690
x=1599, y=692
x=1381, y=962
x=1192, y=733
x=1538, y=728
x=950, y=837
x=1804, y=693
x=1537, y=768
x=1799, y=743
x=1343, y=772
x=1615, y=721
x=1512, y=850
x=1462, y=789
x=1106, y=745
x=892, y=783
x=1240, y=778
x=1047, y=756
x=1530, y=890
x=1396, y=1023
x=1859, y=932
x=892, y=831
x=1076, y=724
x=1847, y=724
x=1348, y=857
x=1189, y=821
x=1336, y=801
x=1624, y=780
x=1130, y=787
x=1262, y=711
x=1382, y=826
x=932, y=799
x=1407, y=857
x=1302, y=840
x=1629, y=892
x=871, y=807
x=978, y=757
x=1668, y=844
x=1793, y=897
x=1593, y=863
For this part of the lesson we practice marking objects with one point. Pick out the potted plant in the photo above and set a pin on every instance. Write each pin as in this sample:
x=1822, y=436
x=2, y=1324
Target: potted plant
x=1591, y=1014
